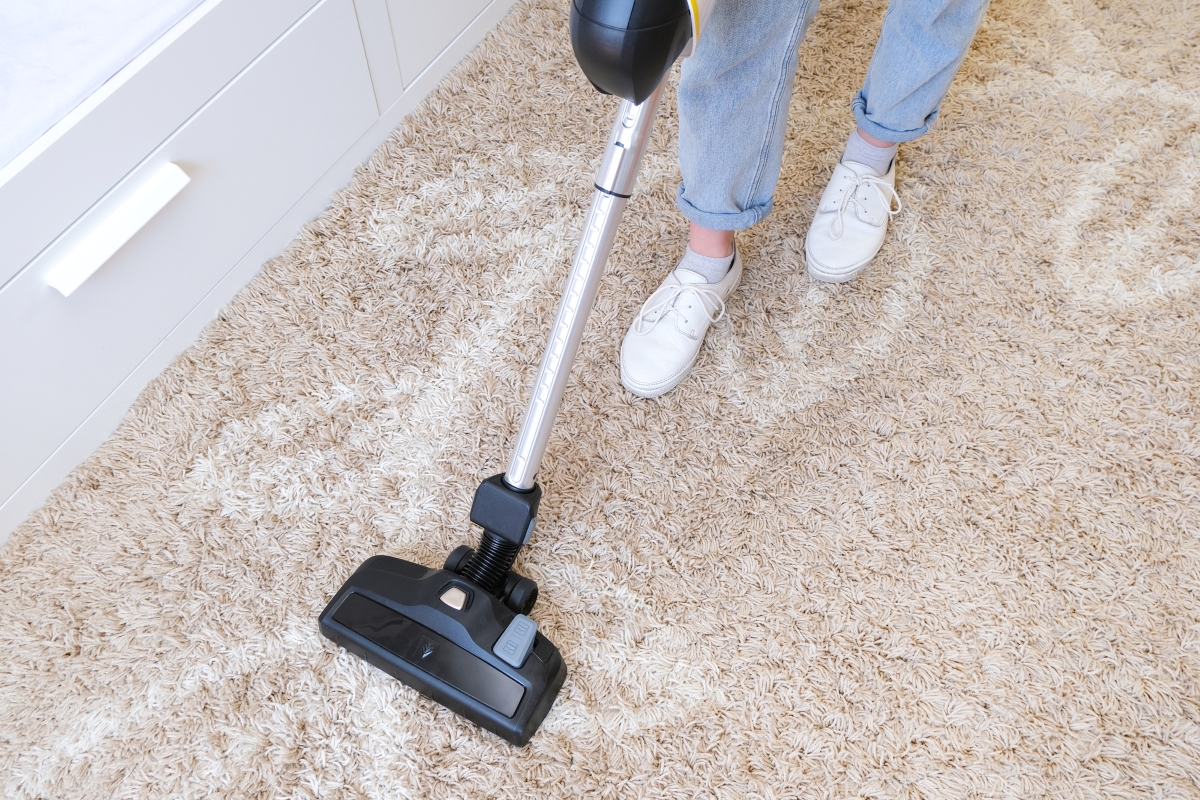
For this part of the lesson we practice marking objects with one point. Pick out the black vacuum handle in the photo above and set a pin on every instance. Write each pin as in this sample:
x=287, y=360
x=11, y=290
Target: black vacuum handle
x=625, y=47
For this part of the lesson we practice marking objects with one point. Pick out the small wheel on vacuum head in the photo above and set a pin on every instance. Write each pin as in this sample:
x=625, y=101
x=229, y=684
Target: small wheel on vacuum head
x=522, y=597
x=458, y=558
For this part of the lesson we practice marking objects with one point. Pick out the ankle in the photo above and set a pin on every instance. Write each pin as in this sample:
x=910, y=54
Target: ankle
x=875, y=154
x=871, y=140
x=710, y=243
x=713, y=270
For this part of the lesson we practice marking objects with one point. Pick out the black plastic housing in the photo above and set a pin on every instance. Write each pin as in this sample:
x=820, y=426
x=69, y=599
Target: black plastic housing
x=506, y=511
x=625, y=47
x=389, y=613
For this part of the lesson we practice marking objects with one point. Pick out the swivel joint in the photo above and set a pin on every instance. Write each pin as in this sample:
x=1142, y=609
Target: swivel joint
x=507, y=517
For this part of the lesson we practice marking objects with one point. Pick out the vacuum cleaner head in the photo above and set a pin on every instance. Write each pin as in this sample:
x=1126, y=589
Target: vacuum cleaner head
x=440, y=633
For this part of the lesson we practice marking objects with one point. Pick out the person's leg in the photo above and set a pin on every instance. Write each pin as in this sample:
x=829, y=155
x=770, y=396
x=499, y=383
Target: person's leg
x=733, y=103
x=921, y=46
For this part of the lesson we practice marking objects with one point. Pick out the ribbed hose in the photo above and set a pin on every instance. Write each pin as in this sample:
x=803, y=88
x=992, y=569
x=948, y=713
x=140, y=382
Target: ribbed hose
x=491, y=562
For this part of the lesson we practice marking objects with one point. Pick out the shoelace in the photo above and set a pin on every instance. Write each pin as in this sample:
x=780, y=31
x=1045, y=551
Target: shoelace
x=837, y=227
x=651, y=315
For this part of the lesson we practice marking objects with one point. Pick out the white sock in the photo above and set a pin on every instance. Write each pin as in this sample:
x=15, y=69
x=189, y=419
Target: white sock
x=860, y=151
x=711, y=269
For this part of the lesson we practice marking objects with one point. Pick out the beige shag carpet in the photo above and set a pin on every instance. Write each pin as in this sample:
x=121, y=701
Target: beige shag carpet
x=932, y=534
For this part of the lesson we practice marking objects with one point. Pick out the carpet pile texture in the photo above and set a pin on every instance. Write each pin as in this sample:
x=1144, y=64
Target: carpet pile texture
x=931, y=534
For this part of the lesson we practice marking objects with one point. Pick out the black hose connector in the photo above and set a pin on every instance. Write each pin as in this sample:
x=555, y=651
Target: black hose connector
x=505, y=511
x=491, y=562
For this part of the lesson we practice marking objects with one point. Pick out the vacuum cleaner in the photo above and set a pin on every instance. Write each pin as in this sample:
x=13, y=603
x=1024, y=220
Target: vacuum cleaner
x=462, y=635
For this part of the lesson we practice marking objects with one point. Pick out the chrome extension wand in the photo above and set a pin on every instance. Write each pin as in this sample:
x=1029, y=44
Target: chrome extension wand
x=614, y=185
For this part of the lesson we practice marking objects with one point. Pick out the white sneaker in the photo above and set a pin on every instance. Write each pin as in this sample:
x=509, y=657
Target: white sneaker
x=665, y=338
x=848, y=228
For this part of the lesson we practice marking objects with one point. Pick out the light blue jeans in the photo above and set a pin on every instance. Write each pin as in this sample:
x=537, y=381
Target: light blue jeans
x=735, y=92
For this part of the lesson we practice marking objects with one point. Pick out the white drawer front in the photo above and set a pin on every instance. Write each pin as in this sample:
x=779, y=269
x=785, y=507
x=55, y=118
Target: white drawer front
x=250, y=153
x=132, y=115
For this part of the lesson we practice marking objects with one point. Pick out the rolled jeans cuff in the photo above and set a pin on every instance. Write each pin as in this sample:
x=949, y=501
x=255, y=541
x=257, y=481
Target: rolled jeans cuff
x=722, y=221
x=859, y=106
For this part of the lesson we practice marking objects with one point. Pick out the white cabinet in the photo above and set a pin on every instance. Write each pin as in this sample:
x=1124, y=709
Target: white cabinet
x=41, y=195
x=422, y=28
x=376, y=27
x=403, y=37
x=268, y=106
x=247, y=167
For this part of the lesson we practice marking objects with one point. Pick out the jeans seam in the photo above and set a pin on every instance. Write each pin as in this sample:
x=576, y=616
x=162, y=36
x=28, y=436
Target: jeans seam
x=793, y=46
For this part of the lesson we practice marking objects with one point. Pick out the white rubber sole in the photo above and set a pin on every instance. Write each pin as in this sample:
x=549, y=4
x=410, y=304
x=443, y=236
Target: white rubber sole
x=659, y=391
x=819, y=273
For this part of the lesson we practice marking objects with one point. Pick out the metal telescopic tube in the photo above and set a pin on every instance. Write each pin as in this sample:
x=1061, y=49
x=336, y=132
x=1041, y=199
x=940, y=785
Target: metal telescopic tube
x=614, y=184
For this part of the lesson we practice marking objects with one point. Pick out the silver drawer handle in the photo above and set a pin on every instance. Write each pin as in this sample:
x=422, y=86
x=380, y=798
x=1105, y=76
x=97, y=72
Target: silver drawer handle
x=98, y=246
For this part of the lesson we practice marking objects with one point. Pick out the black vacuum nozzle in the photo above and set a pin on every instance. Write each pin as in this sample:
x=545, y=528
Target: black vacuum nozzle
x=453, y=642
x=625, y=47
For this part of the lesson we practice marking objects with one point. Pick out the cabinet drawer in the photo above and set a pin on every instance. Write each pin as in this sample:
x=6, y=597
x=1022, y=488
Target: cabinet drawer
x=130, y=116
x=251, y=152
